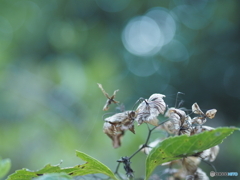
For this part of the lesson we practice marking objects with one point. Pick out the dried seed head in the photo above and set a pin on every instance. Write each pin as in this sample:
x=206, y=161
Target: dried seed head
x=196, y=109
x=110, y=100
x=211, y=113
x=116, y=125
x=148, y=110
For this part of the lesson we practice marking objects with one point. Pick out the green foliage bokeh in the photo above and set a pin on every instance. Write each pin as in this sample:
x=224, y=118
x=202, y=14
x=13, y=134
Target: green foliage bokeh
x=53, y=53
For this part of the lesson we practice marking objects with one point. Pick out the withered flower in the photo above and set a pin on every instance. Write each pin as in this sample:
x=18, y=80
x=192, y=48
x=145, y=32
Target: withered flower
x=110, y=100
x=178, y=122
x=210, y=154
x=186, y=128
x=199, y=120
x=203, y=117
x=116, y=125
x=149, y=109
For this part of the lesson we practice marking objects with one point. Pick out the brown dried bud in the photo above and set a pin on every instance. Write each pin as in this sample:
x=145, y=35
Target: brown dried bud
x=110, y=100
x=211, y=113
x=116, y=125
x=149, y=109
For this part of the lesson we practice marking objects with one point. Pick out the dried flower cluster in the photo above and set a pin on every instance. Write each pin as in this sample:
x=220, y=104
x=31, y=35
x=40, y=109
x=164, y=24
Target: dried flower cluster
x=179, y=122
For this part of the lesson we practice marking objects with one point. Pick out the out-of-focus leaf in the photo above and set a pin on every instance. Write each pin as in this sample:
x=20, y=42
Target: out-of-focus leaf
x=92, y=166
x=181, y=146
x=5, y=166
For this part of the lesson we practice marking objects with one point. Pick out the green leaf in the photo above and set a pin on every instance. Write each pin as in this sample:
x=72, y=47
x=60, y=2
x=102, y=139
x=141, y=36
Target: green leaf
x=92, y=166
x=5, y=166
x=176, y=147
x=54, y=176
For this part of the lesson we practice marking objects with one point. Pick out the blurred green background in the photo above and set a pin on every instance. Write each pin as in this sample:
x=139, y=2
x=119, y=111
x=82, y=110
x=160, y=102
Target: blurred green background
x=53, y=53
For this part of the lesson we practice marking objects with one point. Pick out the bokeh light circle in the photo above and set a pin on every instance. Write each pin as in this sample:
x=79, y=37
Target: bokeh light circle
x=165, y=22
x=142, y=36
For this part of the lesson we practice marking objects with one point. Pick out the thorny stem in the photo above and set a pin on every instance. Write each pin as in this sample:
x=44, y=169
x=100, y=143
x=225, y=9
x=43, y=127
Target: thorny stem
x=143, y=146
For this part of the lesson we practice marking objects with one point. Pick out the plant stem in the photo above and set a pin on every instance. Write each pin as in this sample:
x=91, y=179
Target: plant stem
x=143, y=146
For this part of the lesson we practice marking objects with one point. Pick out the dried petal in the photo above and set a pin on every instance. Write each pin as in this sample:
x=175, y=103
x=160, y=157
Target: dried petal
x=116, y=125
x=186, y=128
x=149, y=109
x=199, y=120
x=175, y=173
x=210, y=154
x=199, y=129
x=190, y=164
x=214, y=153
x=110, y=100
x=177, y=118
x=211, y=113
x=172, y=127
x=110, y=130
x=200, y=175
x=196, y=109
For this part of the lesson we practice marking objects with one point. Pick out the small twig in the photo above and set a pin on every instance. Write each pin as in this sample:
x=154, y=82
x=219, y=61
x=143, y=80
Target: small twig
x=116, y=171
x=177, y=98
x=126, y=160
x=210, y=164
